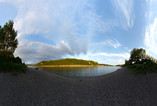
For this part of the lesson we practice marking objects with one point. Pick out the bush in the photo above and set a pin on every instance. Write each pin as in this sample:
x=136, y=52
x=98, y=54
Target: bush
x=10, y=64
x=12, y=67
x=148, y=67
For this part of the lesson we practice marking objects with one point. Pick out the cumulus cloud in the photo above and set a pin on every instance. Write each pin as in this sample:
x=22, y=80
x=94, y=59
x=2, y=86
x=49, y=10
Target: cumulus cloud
x=32, y=52
x=125, y=12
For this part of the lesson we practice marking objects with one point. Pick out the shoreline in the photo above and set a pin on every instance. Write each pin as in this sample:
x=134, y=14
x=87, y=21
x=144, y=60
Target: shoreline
x=70, y=66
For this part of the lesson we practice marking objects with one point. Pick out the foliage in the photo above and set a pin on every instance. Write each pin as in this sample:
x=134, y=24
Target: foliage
x=8, y=44
x=140, y=62
x=68, y=62
x=8, y=63
x=8, y=41
x=137, y=56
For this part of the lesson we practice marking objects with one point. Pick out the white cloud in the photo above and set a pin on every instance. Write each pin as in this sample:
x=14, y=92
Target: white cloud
x=32, y=52
x=113, y=43
x=105, y=58
x=150, y=40
x=125, y=12
x=71, y=21
x=151, y=37
x=95, y=47
x=114, y=61
x=122, y=55
x=69, y=24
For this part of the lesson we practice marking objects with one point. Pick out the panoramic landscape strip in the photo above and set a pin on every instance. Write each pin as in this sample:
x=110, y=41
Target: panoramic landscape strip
x=78, y=53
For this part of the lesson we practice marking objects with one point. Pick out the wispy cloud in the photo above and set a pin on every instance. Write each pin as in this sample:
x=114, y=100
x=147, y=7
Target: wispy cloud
x=124, y=12
x=151, y=37
x=150, y=40
x=111, y=43
x=106, y=58
x=122, y=55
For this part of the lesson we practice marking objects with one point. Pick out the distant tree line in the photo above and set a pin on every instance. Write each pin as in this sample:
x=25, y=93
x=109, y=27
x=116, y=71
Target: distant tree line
x=68, y=62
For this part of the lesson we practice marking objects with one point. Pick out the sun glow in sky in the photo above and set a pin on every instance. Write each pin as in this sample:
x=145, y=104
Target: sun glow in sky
x=99, y=30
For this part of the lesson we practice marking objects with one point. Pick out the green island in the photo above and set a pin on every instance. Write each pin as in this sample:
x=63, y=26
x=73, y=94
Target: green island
x=69, y=62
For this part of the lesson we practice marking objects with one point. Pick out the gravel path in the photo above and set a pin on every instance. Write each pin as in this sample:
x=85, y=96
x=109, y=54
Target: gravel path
x=41, y=88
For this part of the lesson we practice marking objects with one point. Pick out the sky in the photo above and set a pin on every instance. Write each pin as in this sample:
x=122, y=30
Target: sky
x=100, y=30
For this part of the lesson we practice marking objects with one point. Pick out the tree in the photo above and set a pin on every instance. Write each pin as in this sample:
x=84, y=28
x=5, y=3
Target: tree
x=8, y=41
x=137, y=56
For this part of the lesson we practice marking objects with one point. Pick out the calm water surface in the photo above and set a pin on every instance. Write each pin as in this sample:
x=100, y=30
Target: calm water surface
x=81, y=71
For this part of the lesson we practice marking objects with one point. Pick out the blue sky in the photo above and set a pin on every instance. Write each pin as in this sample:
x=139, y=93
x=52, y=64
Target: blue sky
x=99, y=30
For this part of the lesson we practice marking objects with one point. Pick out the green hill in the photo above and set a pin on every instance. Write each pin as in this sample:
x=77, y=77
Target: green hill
x=68, y=61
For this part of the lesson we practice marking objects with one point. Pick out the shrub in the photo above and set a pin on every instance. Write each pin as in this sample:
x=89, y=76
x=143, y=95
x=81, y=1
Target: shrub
x=8, y=63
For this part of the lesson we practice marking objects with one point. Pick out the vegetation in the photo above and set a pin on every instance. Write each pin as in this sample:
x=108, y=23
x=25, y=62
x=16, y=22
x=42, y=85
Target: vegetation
x=68, y=62
x=140, y=62
x=8, y=44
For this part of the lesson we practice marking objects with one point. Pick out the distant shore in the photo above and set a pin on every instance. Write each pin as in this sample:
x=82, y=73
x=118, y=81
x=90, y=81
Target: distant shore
x=71, y=65
x=42, y=88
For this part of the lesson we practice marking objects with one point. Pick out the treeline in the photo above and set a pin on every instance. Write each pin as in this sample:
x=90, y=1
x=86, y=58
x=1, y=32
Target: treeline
x=68, y=62
x=8, y=44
